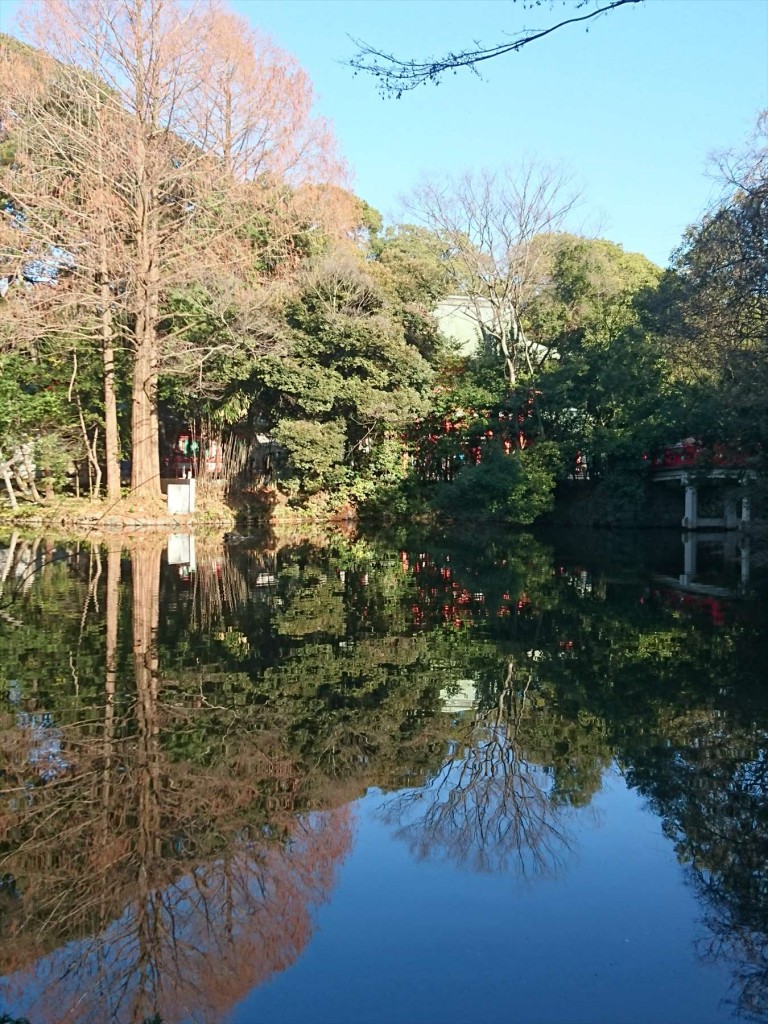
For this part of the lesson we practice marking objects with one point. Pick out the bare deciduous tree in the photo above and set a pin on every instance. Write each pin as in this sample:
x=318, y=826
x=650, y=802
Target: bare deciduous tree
x=499, y=229
x=179, y=125
x=62, y=228
x=254, y=109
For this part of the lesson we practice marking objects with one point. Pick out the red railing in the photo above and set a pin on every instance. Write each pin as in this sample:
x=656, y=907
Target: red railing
x=693, y=453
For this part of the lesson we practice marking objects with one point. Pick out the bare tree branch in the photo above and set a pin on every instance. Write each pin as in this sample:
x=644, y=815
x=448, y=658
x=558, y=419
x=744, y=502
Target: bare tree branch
x=395, y=76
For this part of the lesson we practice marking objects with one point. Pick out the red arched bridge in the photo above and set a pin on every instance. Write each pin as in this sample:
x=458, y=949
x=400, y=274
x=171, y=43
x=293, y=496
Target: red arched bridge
x=692, y=465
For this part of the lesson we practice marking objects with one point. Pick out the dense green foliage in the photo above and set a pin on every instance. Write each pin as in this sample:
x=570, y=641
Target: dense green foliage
x=349, y=379
x=319, y=336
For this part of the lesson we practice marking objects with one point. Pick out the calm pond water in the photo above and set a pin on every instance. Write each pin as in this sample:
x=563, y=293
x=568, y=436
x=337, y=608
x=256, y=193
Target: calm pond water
x=472, y=778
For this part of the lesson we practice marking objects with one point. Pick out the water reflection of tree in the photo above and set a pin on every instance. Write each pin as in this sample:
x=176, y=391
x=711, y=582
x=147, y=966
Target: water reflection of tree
x=490, y=807
x=685, y=711
x=177, y=778
x=192, y=946
x=741, y=947
x=706, y=775
x=151, y=883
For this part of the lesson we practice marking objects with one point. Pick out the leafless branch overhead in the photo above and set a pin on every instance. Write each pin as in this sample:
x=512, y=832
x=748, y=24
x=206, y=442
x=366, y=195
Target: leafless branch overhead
x=395, y=76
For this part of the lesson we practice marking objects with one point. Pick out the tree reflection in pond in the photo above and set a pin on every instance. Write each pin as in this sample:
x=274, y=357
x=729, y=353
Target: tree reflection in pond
x=706, y=776
x=488, y=807
x=181, y=749
x=153, y=883
x=188, y=948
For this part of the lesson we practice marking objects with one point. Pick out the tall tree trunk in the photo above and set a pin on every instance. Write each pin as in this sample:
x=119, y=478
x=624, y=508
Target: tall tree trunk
x=508, y=353
x=145, y=470
x=111, y=438
x=146, y=560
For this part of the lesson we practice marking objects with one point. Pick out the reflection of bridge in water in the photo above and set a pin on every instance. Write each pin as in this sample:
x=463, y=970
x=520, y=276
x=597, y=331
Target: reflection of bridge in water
x=726, y=572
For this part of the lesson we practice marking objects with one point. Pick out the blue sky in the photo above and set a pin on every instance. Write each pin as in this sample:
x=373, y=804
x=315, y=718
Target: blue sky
x=632, y=109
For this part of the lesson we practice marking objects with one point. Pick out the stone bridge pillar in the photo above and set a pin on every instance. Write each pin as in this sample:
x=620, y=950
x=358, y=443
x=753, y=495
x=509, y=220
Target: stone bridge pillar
x=690, y=550
x=744, y=561
x=746, y=511
x=691, y=517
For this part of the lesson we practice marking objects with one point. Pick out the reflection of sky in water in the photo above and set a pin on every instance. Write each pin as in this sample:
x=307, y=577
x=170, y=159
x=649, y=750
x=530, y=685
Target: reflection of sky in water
x=45, y=744
x=44, y=738
x=45, y=748
x=611, y=938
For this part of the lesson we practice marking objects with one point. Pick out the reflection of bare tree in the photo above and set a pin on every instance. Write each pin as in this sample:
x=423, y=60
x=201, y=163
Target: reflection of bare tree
x=742, y=947
x=218, y=586
x=147, y=931
x=154, y=871
x=192, y=946
x=487, y=808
